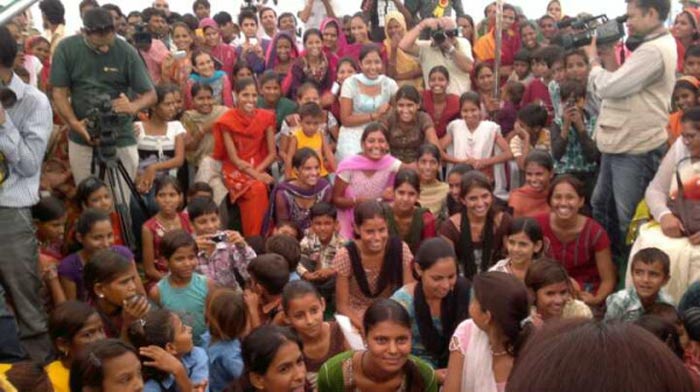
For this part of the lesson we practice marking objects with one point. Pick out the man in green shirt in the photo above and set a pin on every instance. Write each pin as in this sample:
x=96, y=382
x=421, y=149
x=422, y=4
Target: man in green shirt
x=92, y=64
x=423, y=9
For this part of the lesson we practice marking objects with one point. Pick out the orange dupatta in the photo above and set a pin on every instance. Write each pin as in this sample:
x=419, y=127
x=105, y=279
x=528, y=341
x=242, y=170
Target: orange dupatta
x=526, y=201
x=248, y=133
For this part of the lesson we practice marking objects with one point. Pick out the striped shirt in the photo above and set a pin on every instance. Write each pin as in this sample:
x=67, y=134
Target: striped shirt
x=23, y=139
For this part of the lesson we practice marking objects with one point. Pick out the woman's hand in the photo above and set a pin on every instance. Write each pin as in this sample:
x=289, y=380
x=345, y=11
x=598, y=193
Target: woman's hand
x=161, y=359
x=146, y=180
x=441, y=375
x=134, y=308
x=264, y=177
x=384, y=109
x=671, y=226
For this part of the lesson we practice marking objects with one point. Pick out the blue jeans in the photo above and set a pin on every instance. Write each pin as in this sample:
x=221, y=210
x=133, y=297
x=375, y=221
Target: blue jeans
x=622, y=181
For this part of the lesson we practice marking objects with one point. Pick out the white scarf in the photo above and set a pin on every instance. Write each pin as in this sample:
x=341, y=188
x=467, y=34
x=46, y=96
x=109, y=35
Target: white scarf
x=478, y=364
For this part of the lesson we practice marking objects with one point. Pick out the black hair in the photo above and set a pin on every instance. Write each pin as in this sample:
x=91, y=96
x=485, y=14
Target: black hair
x=226, y=314
x=191, y=21
x=134, y=14
x=683, y=84
x=54, y=11
x=430, y=149
x=578, y=185
x=543, y=273
x=383, y=310
x=361, y=16
x=665, y=311
x=662, y=7
x=67, y=319
x=408, y=92
x=162, y=91
x=84, y=4
x=306, y=86
x=155, y=328
x=432, y=250
x=240, y=65
x=223, y=18
x=200, y=186
x=576, y=52
x=87, y=371
x=692, y=51
x=691, y=323
x=367, y=210
x=471, y=180
x=692, y=115
x=197, y=87
x=164, y=181
x=247, y=15
x=470, y=96
x=261, y=346
x=285, y=246
x=87, y=187
x=372, y=128
x=545, y=16
x=348, y=60
x=265, y=9
x=533, y=115
x=271, y=271
x=523, y=55
x=515, y=91
x=297, y=289
x=89, y=218
x=49, y=208
x=308, y=33
x=292, y=225
x=461, y=169
x=302, y=155
x=174, y=240
x=310, y=109
x=201, y=206
x=269, y=76
x=323, y=209
x=666, y=331
x=540, y=158
x=197, y=3
x=530, y=227
x=572, y=88
x=150, y=12
x=440, y=69
x=548, y=54
x=113, y=7
x=104, y=266
x=407, y=176
x=369, y=48
x=8, y=48
x=287, y=15
x=653, y=255
x=243, y=83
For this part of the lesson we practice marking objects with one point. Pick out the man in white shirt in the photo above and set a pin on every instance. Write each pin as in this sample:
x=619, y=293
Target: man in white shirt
x=315, y=11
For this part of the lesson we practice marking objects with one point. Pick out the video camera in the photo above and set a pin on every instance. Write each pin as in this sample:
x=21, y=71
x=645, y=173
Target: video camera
x=142, y=37
x=440, y=35
x=103, y=125
x=605, y=30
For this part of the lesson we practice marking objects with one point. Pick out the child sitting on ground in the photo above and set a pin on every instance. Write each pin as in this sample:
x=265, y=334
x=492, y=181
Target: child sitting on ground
x=511, y=97
x=318, y=249
x=309, y=134
x=288, y=248
x=522, y=71
x=269, y=274
x=49, y=217
x=530, y=133
x=544, y=61
x=650, y=272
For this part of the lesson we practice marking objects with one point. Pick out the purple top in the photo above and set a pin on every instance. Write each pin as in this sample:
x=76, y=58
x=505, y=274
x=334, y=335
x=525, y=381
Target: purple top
x=71, y=268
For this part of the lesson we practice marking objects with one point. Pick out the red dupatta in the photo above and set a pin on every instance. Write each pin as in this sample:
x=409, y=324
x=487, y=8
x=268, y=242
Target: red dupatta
x=248, y=132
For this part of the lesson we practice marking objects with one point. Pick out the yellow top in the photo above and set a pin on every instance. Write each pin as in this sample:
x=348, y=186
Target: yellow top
x=59, y=376
x=314, y=142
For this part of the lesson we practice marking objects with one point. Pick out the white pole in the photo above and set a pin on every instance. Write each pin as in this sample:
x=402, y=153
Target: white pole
x=499, y=44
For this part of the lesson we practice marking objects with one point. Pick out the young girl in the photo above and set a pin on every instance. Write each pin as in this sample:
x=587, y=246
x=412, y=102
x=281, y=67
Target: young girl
x=93, y=232
x=198, y=121
x=432, y=190
x=228, y=323
x=73, y=326
x=49, y=217
x=206, y=73
x=109, y=365
x=473, y=141
x=453, y=202
x=111, y=285
x=271, y=98
x=309, y=135
x=170, y=360
x=93, y=193
x=178, y=70
x=553, y=293
x=406, y=220
x=308, y=92
x=346, y=68
x=274, y=361
x=441, y=106
x=242, y=70
x=281, y=54
x=182, y=290
x=303, y=308
x=168, y=198
x=524, y=243
x=387, y=329
x=531, y=198
x=685, y=95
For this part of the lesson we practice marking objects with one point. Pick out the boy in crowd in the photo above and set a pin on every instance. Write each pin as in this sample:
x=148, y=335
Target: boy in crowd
x=650, y=272
x=522, y=68
x=223, y=255
x=287, y=247
x=544, y=60
x=269, y=274
x=691, y=61
x=318, y=249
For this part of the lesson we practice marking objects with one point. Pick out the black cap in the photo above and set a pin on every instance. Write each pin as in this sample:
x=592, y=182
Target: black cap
x=97, y=19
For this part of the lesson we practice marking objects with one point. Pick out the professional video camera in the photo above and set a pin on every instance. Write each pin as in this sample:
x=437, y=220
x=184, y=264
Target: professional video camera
x=440, y=35
x=606, y=31
x=103, y=125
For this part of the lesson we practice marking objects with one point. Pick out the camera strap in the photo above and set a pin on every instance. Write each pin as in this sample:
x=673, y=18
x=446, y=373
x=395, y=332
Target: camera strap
x=632, y=43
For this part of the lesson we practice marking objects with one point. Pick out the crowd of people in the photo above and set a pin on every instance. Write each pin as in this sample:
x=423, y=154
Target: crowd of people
x=322, y=202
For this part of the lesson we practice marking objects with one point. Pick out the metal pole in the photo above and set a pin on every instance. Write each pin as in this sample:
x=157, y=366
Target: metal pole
x=499, y=44
x=8, y=11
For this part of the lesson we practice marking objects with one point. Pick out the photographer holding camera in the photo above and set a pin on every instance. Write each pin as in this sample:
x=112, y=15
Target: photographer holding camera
x=444, y=48
x=90, y=65
x=25, y=126
x=630, y=131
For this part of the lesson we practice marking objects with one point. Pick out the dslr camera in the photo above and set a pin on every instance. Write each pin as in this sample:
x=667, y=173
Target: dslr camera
x=440, y=35
x=103, y=125
x=607, y=31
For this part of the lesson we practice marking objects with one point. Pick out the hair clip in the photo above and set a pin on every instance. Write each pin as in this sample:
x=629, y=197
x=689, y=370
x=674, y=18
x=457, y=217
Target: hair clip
x=141, y=322
x=94, y=360
x=525, y=321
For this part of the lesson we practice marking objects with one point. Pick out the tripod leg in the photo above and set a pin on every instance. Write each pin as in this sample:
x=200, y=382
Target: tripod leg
x=132, y=187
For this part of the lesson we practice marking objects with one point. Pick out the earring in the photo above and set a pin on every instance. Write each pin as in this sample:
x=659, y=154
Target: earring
x=101, y=295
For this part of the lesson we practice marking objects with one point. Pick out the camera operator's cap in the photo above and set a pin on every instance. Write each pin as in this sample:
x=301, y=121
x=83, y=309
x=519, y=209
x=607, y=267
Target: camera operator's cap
x=97, y=19
x=208, y=22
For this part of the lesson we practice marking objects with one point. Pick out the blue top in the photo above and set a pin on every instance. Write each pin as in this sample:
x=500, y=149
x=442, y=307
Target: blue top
x=406, y=300
x=196, y=366
x=225, y=363
x=187, y=302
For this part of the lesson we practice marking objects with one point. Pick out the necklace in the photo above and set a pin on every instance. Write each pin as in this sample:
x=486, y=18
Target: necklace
x=499, y=353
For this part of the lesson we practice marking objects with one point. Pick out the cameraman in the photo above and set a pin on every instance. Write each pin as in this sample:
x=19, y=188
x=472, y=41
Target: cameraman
x=25, y=126
x=630, y=131
x=444, y=48
x=93, y=64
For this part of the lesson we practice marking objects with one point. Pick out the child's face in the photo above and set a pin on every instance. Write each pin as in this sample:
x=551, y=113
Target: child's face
x=203, y=102
x=405, y=197
x=100, y=236
x=428, y=167
x=244, y=73
x=92, y=331
x=122, y=288
x=691, y=138
x=122, y=374
x=271, y=91
x=691, y=66
x=537, y=177
x=521, y=248
x=454, y=180
x=305, y=314
x=576, y=68
x=168, y=199
x=471, y=114
x=310, y=95
x=100, y=199
x=309, y=172
x=521, y=68
x=558, y=71
x=52, y=231
x=684, y=98
x=648, y=279
x=183, y=262
x=324, y=227
x=551, y=300
x=286, y=230
x=41, y=51
x=406, y=109
x=438, y=83
x=182, y=343
x=540, y=69
x=345, y=71
x=207, y=224
x=202, y=194
x=310, y=125
x=287, y=371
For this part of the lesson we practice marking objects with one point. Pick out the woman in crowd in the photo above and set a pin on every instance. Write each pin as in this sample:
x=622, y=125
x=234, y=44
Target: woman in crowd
x=281, y=54
x=387, y=330
x=365, y=176
x=401, y=67
x=274, y=360
x=466, y=28
x=476, y=232
x=199, y=121
x=359, y=30
x=364, y=98
x=371, y=266
x=334, y=40
x=244, y=141
x=554, y=10
x=436, y=304
x=441, y=106
x=686, y=30
x=206, y=73
x=314, y=65
x=485, y=47
x=484, y=348
x=224, y=53
x=409, y=128
x=109, y=365
x=577, y=241
x=178, y=70
x=346, y=68
x=485, y=83
x=292, y=199
x=667, y=231
x=272, y=99
x=531, y=198
x=432, y=190
x=528, y=35
x=412, y=223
